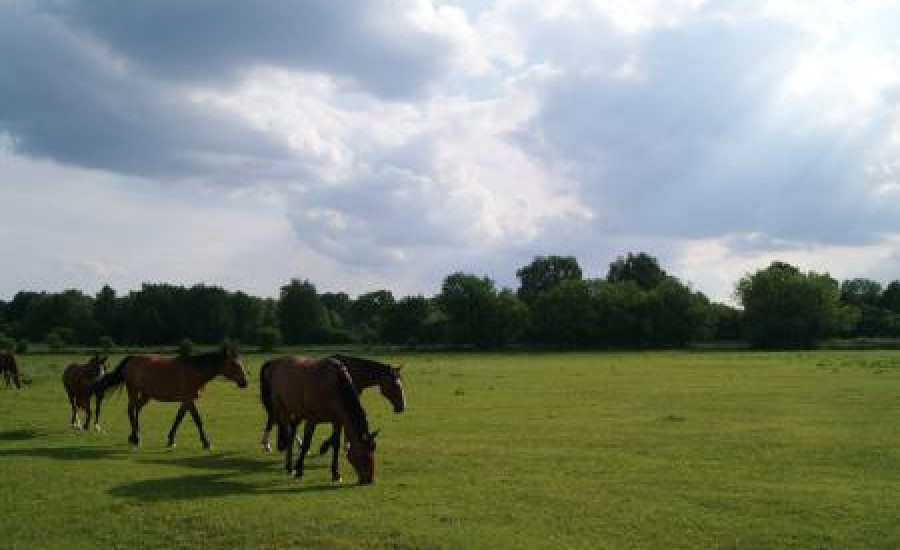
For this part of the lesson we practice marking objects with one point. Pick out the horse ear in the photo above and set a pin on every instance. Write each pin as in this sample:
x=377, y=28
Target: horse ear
x=374, y=434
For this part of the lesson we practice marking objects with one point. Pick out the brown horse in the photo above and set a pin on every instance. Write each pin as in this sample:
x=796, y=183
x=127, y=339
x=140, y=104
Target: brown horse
x=78, y=379
x=364, y=373
x=10, y=369
x=177, y=379
x=298, y=388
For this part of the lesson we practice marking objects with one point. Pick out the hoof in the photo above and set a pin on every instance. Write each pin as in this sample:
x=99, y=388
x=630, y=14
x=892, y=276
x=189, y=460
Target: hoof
x=267, y=447
x=337, y=479
x=207, y=447
x=98, y=427
x=135, y=448
x=171, y=445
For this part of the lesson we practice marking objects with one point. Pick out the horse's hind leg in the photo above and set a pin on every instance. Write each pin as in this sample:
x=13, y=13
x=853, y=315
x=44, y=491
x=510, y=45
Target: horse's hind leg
x=87, y=415
x=178, y=418
x=196, y=416
x=267, y=431
x=74, y=420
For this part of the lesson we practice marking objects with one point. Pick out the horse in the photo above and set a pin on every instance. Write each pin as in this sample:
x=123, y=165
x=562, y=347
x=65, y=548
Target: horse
x=77, y=380
x=176, y=379
x=10, y=369
x=364, y=373
x=299, y=388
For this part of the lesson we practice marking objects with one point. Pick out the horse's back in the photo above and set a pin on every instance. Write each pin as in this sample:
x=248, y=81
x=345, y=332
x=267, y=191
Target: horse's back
x=162, y=378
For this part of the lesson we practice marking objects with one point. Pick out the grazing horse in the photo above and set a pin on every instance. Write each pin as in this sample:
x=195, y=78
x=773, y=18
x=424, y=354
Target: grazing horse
x=78, y=379
x=364, y=373
x=177, y=379
x=10, y=369
x=298, y=388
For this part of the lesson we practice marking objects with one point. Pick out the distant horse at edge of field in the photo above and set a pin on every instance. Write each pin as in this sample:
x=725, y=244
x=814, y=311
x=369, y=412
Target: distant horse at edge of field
x=77, y=379
x=364, y=373
x=176, y=379
x=300, y=388
x=10, y=369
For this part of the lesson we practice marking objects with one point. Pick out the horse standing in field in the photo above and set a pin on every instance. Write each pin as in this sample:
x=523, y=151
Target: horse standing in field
x=10, y=369
x=364, y=373
x=296, y=389
x=177, y=379
x=78, y=379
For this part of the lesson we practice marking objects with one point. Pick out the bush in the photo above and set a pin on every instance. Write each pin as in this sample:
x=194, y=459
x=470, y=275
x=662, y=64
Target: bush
x=7, y=343
x=268, y=338
x=54, y=341
x=185, y=347
x=106, y=344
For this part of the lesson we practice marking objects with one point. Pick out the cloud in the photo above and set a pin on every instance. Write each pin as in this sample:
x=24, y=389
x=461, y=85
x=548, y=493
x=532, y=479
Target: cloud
x=388, y=143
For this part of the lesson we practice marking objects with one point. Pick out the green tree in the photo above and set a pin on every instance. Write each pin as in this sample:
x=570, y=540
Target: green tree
x=479, y=315
x=784, y=307
x=301, y=315
x=860, y=291
x=564, y=315
x=640, y=268
x=545, y=273
x=404, y=321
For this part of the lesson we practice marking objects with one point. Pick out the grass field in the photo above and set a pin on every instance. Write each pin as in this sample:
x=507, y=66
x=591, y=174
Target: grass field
x=582, y=450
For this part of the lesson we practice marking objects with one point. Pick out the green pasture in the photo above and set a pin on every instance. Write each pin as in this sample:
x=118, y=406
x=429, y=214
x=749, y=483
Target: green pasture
x=580, y=450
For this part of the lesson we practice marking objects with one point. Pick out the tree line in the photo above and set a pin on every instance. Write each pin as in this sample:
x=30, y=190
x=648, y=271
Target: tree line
x=636, y=305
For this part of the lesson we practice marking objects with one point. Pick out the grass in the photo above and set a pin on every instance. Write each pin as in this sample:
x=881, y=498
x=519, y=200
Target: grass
x=580, y=450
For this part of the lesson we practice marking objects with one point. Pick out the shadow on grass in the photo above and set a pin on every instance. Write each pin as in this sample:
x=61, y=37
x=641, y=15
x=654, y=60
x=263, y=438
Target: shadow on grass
x=19, y=435
x=190, y=487
x=216, y=461
x=63, y=453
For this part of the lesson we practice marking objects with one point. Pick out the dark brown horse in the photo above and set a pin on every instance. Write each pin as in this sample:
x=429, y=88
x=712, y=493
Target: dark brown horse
x=78, y=379
x=297, y=389
x=10, y=369
x=177, y=379
x=364, y=373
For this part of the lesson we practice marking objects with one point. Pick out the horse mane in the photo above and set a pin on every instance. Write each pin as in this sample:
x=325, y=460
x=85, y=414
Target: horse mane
x=203, y=361
x=350, y=399
x=354, y=361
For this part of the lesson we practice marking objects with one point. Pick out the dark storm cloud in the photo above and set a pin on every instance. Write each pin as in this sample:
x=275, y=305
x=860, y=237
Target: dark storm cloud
x=199, y=40
x=65, y=98
x=107, y=85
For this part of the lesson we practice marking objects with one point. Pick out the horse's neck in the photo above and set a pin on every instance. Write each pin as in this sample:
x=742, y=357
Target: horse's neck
x=363, y=376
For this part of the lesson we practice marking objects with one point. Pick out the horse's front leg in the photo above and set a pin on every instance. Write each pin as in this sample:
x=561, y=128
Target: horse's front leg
x=178, y=418
x=335, y=440
x=308, y=430
x=291, y=430
x=196, y=416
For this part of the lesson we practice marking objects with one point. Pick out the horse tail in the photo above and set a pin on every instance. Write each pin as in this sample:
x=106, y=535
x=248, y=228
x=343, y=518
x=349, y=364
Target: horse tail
x=265, y=395
x=265, y=388
x=110, y=379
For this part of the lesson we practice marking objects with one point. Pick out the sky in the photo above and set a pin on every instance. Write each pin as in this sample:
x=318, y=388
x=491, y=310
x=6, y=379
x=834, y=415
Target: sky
x=390, y=143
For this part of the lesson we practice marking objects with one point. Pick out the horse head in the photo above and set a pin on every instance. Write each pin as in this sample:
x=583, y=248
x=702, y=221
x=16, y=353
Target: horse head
x=232, y=368
x=391, y=385
x=361, y=455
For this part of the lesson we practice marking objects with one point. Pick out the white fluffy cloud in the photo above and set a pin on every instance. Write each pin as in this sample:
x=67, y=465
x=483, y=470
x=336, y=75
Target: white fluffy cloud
x=389, y=143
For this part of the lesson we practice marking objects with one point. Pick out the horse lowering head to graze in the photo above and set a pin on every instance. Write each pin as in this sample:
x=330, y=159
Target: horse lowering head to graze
x=364, y=373
x=10, y=369
x=299, y=388
x=77, y=380
x=175, y=379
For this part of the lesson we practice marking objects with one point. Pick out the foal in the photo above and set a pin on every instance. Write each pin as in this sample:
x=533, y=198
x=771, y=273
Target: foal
x=78, y=379
x=10, y=369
